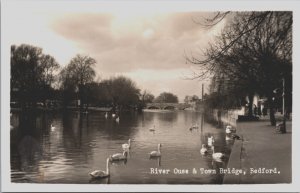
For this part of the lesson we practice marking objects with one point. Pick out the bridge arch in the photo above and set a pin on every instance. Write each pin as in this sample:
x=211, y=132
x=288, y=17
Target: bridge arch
x=153, y=107
x=169, y=108
x=186, y=108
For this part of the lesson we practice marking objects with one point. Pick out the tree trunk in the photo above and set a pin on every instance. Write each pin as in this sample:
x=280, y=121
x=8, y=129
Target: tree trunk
x=80, y=98
x=272, y=115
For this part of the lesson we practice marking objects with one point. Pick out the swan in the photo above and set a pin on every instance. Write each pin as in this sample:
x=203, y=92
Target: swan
x=52, y=128
x=126, y=146
x=100, y=173
x=152, y=129
x=156, y=153
x=228, y=129
x=118, y=156
x=218, y=155
x=118, y=119
x=203, y=150
x=194, y=126
x=106, y=115
x=210, y=141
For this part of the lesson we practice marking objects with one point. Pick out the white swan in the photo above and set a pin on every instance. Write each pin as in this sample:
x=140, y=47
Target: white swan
x=118, y=119
x=228, y=129
x=210, y=141
x=106, y=115
x=100, y=173
x=152, y=129
x=126, y=146
x=118, y=156
x=194, y=127
x=156, y=153
x=217, y=155
x=52, y=128
x=203, y=150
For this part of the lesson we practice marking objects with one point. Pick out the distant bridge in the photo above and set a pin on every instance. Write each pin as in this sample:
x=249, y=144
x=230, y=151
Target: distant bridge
x=168, y=106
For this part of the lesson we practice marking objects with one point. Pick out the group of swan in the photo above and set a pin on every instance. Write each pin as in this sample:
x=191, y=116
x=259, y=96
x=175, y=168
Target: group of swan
x=113, y=115
x=119, y=157
x=218, y=156
x=111, y=158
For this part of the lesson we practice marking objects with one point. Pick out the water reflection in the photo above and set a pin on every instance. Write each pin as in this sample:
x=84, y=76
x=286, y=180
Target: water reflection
x=80, y=143
x=158, y=159
x=99, y=180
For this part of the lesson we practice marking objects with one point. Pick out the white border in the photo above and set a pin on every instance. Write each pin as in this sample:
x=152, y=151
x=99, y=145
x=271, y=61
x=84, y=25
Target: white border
x=200, y=5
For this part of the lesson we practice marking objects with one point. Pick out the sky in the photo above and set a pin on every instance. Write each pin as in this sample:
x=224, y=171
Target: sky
x=146, y=44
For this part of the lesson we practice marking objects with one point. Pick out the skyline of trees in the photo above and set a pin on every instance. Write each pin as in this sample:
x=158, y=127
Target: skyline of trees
x=251, y=56
x=37, y=77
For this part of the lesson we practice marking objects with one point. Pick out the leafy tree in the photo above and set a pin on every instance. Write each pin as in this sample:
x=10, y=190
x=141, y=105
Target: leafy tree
x=123, y=92
x=166, y=97
x=76, y=75
x=32, y=74
x=49, y=68
x=191, y=98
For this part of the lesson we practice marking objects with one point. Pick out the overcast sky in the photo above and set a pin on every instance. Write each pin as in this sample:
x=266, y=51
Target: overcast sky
x=147, y=45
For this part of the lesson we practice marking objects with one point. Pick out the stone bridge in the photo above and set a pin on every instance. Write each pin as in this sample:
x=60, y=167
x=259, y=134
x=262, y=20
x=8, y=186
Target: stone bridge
x=168, y=106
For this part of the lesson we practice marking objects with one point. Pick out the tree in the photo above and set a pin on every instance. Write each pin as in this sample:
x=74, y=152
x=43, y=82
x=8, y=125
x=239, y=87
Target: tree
x=166, y=97
x=147, y=97
x=76, y=75
x=122, y=91
x=193, y=98
x=32, y=74
x=49, y=68
x=251, y=56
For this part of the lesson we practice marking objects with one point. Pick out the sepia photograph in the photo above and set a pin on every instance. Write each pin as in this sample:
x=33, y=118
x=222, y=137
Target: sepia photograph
x=112, y=93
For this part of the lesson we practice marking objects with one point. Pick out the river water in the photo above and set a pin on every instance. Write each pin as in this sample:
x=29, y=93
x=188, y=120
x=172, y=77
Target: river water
x=80, y=143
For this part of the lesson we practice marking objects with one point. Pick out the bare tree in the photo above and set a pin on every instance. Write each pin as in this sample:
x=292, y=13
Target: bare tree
x=252, y=55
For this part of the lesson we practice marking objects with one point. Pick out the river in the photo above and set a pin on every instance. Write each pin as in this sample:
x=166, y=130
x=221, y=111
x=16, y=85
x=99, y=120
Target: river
x=77, y=144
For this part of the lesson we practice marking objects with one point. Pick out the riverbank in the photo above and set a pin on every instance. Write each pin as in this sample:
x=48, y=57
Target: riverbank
x=262, y=150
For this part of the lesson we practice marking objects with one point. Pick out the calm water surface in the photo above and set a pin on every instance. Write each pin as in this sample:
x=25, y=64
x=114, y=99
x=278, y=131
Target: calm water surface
x=80, y=144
